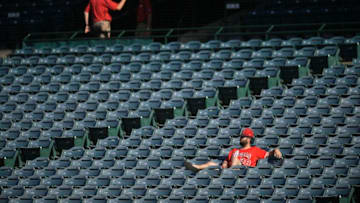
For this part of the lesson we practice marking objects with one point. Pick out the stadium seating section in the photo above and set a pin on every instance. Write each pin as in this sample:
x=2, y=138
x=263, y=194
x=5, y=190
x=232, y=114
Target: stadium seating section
x=294, y=11
x=115, y=123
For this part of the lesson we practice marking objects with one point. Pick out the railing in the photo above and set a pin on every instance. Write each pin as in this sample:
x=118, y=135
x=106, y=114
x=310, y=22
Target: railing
x=207, y=32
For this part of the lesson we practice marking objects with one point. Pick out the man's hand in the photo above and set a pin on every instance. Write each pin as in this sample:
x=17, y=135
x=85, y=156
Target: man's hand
x=87, y=29
x=224, y=164
x=277, y=153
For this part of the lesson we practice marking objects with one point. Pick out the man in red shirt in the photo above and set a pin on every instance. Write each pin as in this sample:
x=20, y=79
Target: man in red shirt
x=247, y=155
x=101, y=16
x=144, y=18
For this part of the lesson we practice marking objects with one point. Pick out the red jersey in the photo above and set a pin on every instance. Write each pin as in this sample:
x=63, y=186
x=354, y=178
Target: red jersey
x=100, y=9
x=248, y=157
x=144, y=9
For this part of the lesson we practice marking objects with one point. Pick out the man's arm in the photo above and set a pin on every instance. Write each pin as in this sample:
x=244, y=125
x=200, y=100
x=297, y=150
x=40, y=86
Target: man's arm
x=120, y=5
x=275, y=153
x=86, y=18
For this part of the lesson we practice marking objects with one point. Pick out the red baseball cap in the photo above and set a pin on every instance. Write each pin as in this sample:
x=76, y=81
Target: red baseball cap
x=247, y=132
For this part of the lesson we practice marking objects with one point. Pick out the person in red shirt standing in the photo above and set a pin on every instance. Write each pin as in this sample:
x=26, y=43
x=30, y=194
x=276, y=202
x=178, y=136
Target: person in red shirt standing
x=247, y=155
x=144, y=18
x=101, y=16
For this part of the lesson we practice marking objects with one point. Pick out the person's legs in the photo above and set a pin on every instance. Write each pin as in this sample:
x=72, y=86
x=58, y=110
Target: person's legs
x=196, y=167
x=102, y=28
x=97, y=29
x=105, y=29
x=102, y=35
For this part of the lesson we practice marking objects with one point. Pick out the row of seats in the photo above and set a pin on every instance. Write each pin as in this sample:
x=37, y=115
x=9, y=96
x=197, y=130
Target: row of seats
x=272, y=115
x=329, y=106
x=338, y=94
x=173, y=89
x=342, y=70
x=105, y=172
x=25, y=125
x=327, y=132
x=189, y=195
x=332, y=94
x=225, y=55
x=204, y=187
x=53, y=68
x=195, y=187
x=183, y=79
x=329, y=166
x=173, y=199
x=332, y=108
x=124, y=102
x=60, y=74
x=254, y=116
x=300, y=12
x=349, y=80
x=303, y=91
x=123, y=77
x=115, y=87
x=213, y=141
x=291, y=144
x=104, y=96
x=192, y=46
x=326, y=85
x=292, y=134
x=153, y=89
x=151, y=68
